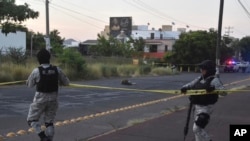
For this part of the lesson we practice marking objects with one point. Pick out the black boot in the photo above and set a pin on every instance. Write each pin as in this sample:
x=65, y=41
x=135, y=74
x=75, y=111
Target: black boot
x=43, y=137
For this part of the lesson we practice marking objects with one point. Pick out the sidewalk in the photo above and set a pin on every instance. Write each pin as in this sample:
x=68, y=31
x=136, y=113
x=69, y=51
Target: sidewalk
x=232, y=109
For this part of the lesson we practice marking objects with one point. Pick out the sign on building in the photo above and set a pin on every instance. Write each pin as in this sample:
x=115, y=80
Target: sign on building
x=119, y=24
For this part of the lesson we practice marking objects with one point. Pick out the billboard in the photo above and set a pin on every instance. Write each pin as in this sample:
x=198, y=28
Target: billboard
x=118, y=24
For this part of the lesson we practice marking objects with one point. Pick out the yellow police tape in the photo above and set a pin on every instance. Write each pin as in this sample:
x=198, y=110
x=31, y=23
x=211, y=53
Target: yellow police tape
x=12, y=83
x=189, y=92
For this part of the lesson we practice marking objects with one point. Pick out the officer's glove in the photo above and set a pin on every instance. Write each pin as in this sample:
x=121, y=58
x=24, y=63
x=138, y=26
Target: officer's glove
x=183, y=90
x=210, y=89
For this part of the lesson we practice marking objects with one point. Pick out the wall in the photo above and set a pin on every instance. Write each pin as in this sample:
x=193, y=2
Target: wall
x=15, y=40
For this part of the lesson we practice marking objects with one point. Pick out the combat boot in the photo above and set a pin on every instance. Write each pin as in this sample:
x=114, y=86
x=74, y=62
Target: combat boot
x=43, y=137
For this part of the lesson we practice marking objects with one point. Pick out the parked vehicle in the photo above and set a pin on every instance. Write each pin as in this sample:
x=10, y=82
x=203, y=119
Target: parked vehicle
x=231, y=66
x=242, y=65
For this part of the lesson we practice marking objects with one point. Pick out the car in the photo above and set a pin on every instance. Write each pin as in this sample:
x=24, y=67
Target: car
x=242, y=65
x=231, y=66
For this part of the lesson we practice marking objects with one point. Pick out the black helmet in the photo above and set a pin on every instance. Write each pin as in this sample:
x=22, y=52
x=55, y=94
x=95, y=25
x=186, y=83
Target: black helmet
x=207, y=65
x=43, y=56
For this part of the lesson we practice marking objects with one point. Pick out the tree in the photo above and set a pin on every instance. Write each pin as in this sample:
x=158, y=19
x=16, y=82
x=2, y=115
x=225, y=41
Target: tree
x=244, y=45
x=103, y=47
x=56, y=42
x=195, y=46
x=110, y=47
x=138, y=47
x=38, y=41
x=12, y=15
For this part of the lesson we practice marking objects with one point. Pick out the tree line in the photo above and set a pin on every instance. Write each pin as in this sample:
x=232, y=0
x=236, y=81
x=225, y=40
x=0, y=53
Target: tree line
x=190, y=48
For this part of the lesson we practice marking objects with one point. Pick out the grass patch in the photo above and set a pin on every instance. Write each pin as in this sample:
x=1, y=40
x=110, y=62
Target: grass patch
x=127, y=70
x=162, y=71
x=16, y=72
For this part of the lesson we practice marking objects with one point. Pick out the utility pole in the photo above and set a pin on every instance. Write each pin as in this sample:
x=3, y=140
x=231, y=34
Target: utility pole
x=219, y=39
x=47, y=38
x=219, y=33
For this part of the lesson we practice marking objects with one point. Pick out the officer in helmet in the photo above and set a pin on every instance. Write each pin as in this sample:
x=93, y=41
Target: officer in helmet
x=203, y=104
x=46, y=78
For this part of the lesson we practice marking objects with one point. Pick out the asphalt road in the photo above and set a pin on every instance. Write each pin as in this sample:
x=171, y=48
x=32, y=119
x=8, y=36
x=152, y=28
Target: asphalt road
x=79, y=103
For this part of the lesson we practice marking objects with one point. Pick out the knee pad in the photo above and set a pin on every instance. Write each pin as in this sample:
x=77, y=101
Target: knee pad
x=202, y=120
x=30, y=122
x=50, y=131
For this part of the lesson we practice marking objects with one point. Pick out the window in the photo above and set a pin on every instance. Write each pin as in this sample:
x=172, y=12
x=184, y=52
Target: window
x=152, y=35
x=153, y=48
x=166, y=47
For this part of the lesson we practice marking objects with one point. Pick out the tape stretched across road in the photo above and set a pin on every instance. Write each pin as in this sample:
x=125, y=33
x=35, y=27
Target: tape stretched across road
x=12, y=83
x=189, y=92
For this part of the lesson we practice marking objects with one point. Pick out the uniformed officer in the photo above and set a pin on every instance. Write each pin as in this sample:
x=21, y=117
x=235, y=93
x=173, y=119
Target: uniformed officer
x=203, y=104
x=46, y=78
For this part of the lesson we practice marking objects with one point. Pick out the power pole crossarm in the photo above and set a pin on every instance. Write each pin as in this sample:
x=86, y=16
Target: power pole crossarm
x=228, y=31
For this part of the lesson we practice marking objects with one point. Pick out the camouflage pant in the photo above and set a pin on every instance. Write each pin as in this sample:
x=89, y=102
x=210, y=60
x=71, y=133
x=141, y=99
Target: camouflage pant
x=200, y=133
x=48, y=109
x=47, y=106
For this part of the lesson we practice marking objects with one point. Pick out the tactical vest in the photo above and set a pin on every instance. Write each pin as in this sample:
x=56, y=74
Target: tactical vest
x=205, y=99
x=48, y=79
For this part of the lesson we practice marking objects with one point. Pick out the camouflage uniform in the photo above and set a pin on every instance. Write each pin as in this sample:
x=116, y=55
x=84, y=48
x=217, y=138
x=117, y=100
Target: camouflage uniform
x=44, y=103
x=203, y=104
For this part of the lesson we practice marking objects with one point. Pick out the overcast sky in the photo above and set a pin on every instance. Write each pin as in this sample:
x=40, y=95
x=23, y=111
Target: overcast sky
x=84, y=19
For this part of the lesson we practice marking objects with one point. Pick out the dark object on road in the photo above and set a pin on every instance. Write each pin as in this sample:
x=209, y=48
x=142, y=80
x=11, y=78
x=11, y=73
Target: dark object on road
x=126, y=82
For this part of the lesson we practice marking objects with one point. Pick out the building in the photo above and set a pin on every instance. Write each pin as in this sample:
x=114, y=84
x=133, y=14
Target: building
x=12, y=40
x=70, y=43
x=84, y=46
x=157, y=41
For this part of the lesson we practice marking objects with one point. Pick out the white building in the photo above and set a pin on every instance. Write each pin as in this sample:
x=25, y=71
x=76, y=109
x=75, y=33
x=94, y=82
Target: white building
x=12, y=40
x=157, y=41
x=71, y=43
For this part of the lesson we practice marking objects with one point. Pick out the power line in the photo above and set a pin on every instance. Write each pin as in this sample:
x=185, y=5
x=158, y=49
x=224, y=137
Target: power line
x=72, y=16
x=80, y=7
x=244, y=8
x=73, y=11
x=153, y=11
x=144, y=9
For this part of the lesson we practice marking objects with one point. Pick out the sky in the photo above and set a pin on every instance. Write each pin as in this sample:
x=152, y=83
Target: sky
x=84, y=19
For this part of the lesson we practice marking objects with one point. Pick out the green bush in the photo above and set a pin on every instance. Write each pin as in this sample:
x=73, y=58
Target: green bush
x=145, y=69
x=6, y=77
x=74, y=62
x=93, y=72
x=126, y=70
x=108, y=70
x=161, y=71
x=17, y=55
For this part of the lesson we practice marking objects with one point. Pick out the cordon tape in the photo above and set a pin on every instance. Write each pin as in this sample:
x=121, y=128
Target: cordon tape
x=78, y=119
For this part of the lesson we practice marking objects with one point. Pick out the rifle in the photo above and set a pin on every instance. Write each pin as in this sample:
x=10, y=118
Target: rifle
x=188, y=119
